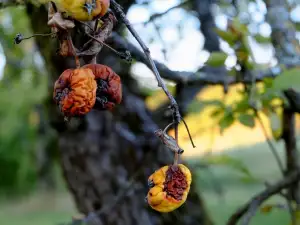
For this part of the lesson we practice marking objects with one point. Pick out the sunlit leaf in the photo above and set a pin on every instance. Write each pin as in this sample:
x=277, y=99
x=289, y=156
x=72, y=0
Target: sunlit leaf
x=261, y=39
x=242, y=55
x=247, y=120
x=198, y=105
x=288, y=79
x=216, y=59
x=227, y=36
x=242, y=105
x=217, y=112
x=226, y=122
x=237, y=27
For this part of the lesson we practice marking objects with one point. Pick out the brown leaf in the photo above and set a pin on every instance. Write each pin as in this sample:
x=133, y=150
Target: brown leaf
x=102, y=34
x=58, y=21
x=65, y=48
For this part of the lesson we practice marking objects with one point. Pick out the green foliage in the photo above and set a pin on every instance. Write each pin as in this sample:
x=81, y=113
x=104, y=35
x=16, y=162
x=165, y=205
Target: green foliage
x=288, y=79
x=216, y=59
x=227, y=120
x=227, y=36
x=22, y=87
x=261, y=39
x=197, y=105
x=247, y=120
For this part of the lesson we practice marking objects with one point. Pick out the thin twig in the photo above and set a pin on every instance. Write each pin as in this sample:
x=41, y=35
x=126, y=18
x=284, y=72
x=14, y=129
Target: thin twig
x=272, y=147
x=19, y=37
x=161, y=40
x=289, y=203
x=167, y=127
x=118, y=10
x=176, y=155
x=157, y=15
x=249, y=209
x=253, y=106
x=203, y=77
x=188, y=130
x=282, y=194
x=120, y=54
x=186, y=127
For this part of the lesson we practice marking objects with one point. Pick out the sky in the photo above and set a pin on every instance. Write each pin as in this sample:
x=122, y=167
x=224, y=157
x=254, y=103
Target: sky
x=185, y=49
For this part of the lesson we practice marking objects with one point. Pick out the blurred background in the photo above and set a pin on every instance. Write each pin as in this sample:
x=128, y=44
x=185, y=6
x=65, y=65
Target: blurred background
x=232, y=158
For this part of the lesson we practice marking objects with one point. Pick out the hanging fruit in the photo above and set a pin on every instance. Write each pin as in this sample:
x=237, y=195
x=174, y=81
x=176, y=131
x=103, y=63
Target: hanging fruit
x=75, y=92
x=169, y=187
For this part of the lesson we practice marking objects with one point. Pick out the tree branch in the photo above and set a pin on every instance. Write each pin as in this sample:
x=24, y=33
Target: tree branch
x=119, y=12
x=157, y=15
x=272, y=147
x=204, y=76
x=287, y=50
x=249, y=209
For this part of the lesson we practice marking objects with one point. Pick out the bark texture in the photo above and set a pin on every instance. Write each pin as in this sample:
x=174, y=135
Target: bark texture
x=107, y=158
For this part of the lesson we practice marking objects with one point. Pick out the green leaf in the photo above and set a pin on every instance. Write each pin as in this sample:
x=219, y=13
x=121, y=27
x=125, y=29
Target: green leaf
x=226, y=122
x=247, y=120
x=288, y=79
x=214, y=102
x=217, y=112
x=224, y=160
x=227, y=36
x=198, y=105
x=261, y=39
x=237, y=26
x=242, y=105
x=217, y=59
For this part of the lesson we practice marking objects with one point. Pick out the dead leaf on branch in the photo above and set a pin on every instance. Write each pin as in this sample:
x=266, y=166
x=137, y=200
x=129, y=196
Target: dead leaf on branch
x=93, y=47
x=57, y=20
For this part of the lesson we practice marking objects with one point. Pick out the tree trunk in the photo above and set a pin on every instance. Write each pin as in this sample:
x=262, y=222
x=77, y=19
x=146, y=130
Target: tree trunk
x=107, y=158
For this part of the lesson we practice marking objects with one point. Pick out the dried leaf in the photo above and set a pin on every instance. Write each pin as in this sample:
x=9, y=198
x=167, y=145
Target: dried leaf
x=58, y=21
x=104, y=32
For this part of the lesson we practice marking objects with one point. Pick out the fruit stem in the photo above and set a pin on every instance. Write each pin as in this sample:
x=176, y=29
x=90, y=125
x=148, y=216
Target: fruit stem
x=176, y=156
x=77, y=61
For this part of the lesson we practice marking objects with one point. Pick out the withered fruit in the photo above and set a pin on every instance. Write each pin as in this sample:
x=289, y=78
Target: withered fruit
x=109, y=86
x=75, y=92
x=170, y=186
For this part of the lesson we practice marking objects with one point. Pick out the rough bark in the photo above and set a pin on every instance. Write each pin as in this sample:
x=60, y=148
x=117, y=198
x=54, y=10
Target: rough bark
x=103, y=152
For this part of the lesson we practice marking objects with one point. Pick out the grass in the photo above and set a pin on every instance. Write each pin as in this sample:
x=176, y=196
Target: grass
x=232, y=191
x=38, y=209
x=52, y=209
